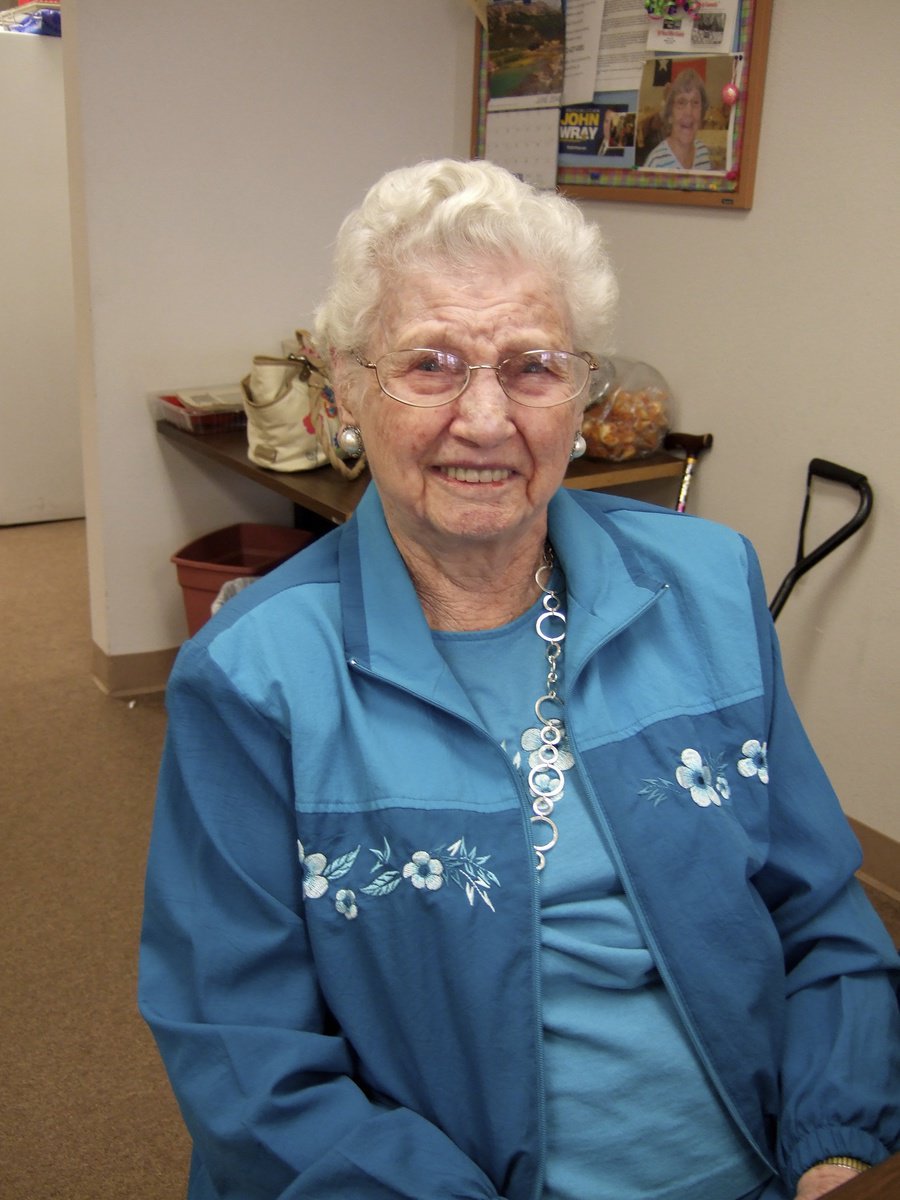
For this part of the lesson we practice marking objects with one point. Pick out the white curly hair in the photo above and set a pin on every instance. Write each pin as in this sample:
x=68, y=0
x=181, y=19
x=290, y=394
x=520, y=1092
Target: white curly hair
x=457, y=213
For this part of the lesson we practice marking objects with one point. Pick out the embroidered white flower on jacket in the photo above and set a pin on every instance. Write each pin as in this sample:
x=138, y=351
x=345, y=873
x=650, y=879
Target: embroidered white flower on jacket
x=345, y=902
x=545, y=781
x=427, y=869
x=696, y=777
x=755, y=763
x=723, y=787
x=314, y=882
x=424, y=871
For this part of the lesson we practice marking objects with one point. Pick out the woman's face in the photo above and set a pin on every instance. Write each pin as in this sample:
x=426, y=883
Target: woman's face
x=687, y=117
x=481, y=468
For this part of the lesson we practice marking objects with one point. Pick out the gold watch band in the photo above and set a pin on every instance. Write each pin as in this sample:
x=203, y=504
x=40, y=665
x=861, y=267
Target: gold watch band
x=845, y=1161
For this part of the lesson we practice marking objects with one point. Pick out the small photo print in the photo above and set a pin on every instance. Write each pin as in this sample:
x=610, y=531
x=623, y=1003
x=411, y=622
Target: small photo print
x=709, y=31
x=619, y=133
x=682, y=122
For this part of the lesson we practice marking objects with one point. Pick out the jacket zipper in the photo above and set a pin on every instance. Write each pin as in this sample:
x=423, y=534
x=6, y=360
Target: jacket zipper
x=661, y=964
x=536, y=975
x=625, y=879
x=538, y=1005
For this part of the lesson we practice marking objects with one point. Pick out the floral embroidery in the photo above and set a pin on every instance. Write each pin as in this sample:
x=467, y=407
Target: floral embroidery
x=317, y=872
x=705, y=776
x=696, y=777
x=426, y=870
x=532, y=742
x=755, y=761
x=314, y=882
x=345, y=902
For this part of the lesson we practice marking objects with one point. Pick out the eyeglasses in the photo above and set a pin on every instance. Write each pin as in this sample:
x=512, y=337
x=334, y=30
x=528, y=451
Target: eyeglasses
x=429, y=378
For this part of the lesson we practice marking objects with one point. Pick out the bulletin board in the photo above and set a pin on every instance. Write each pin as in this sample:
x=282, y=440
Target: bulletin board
x=615, y=145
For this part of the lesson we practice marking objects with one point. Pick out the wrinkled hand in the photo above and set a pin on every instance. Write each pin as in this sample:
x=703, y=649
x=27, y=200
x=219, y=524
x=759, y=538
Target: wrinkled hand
x=819, y=1181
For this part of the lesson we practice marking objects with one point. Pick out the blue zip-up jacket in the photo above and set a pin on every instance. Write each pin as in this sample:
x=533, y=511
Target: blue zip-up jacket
x=340, y=957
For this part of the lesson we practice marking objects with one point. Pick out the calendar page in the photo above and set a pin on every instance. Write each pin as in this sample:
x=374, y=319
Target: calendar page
x=525, y=142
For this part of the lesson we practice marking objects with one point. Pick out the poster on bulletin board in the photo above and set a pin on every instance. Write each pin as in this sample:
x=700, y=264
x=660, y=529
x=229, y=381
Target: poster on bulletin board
x=654, y=101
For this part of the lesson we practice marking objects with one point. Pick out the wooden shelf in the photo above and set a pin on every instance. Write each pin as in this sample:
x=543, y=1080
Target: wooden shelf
x=326, y=493
x=596, y=476
x=322, y=491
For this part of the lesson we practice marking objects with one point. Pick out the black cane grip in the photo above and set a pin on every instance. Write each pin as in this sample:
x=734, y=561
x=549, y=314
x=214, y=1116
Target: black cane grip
x=824, y=469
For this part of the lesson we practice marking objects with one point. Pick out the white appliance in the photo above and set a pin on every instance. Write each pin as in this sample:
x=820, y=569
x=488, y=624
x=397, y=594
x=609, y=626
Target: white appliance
x=40, y=443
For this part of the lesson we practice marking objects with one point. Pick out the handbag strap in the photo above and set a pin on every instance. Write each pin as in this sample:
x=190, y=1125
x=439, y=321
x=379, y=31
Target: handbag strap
x=304, y=366
x=310, y=354
x=349, y=471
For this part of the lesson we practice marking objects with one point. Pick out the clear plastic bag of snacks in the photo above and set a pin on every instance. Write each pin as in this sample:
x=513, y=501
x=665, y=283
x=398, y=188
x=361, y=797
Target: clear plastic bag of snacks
x=631, y=416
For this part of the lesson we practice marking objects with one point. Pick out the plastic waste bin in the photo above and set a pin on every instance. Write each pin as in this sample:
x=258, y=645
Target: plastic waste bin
x=235, y=552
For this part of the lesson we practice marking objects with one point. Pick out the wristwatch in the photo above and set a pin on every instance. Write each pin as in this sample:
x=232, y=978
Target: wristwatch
x=845, y=1161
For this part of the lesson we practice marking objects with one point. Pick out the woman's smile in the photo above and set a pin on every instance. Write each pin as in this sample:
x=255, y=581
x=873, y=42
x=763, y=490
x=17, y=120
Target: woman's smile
x=475, y=474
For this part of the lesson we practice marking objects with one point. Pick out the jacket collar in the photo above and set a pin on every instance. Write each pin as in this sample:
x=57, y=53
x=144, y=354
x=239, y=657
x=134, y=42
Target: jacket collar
x=385, y=630
x=607, y=583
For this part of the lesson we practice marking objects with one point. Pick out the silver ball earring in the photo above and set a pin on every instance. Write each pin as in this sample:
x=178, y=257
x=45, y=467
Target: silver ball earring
x=579, y=446
x=350, y=441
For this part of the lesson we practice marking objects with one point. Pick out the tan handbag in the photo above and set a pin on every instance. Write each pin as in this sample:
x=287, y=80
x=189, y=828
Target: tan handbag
x=292, y=419
x=281, y=432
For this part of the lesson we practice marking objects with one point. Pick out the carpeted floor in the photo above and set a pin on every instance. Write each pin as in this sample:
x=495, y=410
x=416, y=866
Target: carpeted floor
x=85, y=1109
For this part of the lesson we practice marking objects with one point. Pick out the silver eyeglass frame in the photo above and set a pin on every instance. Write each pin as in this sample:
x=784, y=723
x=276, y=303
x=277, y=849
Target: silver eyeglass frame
x=584, y=355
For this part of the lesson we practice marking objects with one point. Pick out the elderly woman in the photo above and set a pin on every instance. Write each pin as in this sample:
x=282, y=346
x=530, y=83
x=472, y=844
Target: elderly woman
x=490, y=857
x=683, y=115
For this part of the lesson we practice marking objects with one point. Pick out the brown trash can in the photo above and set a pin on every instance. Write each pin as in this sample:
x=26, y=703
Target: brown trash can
x=235, y=552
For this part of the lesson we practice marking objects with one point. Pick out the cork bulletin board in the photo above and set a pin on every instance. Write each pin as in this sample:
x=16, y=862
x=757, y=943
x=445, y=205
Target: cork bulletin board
x=606, y=100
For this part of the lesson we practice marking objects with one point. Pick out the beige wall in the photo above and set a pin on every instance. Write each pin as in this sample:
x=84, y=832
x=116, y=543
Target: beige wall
x=215, y=147
x=40, y=463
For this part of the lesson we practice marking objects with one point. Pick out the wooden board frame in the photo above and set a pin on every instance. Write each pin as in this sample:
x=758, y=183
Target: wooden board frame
x=616, y=184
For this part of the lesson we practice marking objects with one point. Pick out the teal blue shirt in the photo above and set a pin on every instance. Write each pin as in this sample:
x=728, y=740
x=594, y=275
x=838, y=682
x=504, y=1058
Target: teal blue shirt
x=629, y=1108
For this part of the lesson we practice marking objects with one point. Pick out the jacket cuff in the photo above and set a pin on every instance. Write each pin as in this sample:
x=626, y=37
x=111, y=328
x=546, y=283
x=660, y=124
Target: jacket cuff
x=826, y=1142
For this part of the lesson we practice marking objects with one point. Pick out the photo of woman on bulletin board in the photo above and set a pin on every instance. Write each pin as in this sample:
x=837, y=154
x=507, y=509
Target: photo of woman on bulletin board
x=682, y=122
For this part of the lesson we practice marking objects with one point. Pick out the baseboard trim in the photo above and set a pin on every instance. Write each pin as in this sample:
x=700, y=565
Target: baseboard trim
x=131, y=674
x=881, y=860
